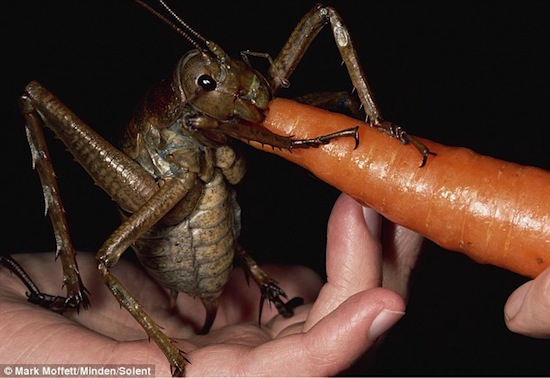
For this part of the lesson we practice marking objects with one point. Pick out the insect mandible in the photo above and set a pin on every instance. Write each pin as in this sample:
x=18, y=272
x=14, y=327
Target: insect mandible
x=173, y=177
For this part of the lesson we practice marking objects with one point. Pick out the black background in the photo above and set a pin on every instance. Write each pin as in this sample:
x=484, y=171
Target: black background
x=471, y=74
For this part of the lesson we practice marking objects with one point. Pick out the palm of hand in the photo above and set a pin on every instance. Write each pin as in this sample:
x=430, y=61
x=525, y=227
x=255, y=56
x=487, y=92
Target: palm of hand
x=324, y=337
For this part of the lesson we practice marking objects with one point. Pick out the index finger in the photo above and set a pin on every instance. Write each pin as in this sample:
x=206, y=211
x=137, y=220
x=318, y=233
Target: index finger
x=354, y=261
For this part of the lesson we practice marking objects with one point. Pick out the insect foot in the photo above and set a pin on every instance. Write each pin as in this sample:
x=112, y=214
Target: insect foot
x=59, y=304
x=178, y=367
x=397, y=132
x=35, y=296
x=271, y=292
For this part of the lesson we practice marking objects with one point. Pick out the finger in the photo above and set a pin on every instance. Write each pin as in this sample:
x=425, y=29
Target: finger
x=401, y=250
x=353, y=257
x=527, y=311
x=346, y=334
x=330, y=347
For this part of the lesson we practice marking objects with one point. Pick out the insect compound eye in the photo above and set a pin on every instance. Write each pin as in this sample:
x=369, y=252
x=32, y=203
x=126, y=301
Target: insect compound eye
x=206, y=82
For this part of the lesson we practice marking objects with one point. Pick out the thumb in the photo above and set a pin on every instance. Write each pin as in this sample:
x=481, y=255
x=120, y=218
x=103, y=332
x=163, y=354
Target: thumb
x=352, y=328
x=527, y=311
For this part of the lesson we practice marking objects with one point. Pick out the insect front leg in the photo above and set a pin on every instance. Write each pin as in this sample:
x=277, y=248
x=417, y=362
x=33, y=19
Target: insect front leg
x=248, y=132
x=297, y=44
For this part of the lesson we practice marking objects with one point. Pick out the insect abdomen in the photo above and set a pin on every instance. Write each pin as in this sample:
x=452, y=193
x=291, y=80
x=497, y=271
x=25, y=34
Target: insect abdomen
x=196, y=255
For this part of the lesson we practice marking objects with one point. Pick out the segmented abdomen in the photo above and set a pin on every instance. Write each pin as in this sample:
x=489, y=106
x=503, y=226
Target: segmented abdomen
x=196, y=255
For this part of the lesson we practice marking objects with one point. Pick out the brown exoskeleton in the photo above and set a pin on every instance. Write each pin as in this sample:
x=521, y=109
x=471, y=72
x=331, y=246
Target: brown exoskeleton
x=173, y=176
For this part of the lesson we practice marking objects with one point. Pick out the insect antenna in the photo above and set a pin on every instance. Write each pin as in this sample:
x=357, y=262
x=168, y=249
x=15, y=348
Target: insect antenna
x=191, y=35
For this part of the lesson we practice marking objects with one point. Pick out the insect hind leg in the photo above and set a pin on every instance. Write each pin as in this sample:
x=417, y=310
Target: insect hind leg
x=76, y=292
x=34, y=295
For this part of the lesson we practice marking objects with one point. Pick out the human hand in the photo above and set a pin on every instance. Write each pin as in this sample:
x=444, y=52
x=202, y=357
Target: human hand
x=341, y=320
x=527, y=310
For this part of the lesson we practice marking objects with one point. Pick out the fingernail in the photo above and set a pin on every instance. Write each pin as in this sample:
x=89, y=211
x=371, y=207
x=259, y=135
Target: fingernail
x=515, y=302
x=383, y=322
x=373, y=221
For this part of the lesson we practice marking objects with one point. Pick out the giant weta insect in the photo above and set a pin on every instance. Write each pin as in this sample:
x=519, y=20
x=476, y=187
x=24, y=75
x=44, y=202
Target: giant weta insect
x=173, y=177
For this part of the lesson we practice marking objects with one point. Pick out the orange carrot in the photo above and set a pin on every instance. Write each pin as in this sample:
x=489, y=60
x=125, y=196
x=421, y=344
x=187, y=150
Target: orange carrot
x=494, y=211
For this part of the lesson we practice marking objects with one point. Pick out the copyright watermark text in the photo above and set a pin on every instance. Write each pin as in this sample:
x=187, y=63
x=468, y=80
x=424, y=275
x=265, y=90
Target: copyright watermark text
x=41, y=370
